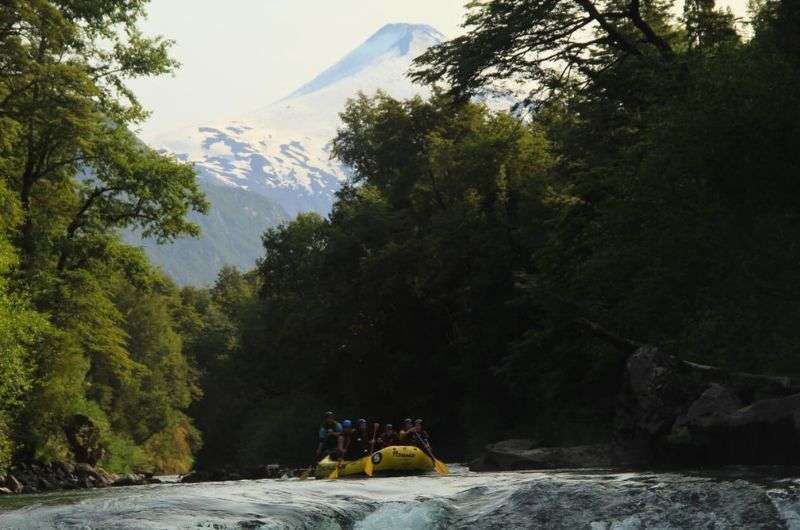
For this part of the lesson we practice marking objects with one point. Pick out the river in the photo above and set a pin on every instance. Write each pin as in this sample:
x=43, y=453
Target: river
x=591, y=499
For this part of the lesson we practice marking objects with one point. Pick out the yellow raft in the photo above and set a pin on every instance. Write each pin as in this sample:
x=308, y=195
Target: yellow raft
x=395, y=458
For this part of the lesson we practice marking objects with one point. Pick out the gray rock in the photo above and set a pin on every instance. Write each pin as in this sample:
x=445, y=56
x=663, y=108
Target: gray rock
x=130, y=479
x=713, y=404
x=655, y=393
x=83, y=469
x=104, y=478
x=64, y=468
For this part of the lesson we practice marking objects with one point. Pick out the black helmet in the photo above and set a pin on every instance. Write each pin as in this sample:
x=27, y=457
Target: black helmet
x=408, y=420
x=389, y=426
x=362, y=420
x=328, y=414
x=418, y=421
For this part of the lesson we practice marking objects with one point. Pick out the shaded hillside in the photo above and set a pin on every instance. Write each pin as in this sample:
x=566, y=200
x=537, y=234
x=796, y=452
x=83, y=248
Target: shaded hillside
x=231, y=235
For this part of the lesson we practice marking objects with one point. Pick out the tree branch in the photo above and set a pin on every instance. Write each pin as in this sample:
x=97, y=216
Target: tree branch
x=647, y=30
x=627, y=346
x=75, y=224
x=613, y=32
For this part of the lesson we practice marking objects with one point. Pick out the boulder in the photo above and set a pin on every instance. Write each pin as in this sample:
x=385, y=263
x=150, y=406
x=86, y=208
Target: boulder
x=64, y=468
x=270, y=471
x=130, y=479
x=83, y=469
x=521, y=454
x=668, y=414
x=657, y=390
x=762, y=433
x=107, y=476
x=713, y=404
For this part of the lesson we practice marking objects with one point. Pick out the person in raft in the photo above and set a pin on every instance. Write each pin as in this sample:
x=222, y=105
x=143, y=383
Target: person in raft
x=407, y=431
x=362, y=439
x=387, y=438
x=374, y=436
x=424, y=440
x=351, y=445
x=329, y=433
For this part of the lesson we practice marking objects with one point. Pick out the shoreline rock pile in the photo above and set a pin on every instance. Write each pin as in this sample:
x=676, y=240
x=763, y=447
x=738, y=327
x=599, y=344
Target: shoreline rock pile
x=37, y=477
x=271, y=471
x=672, y=413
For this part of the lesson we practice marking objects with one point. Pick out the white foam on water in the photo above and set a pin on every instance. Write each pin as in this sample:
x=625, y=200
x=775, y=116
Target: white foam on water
x=574, y=499
x=422, y=515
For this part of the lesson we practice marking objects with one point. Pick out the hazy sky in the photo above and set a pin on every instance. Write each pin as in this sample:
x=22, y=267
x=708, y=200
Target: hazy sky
x=240, y=55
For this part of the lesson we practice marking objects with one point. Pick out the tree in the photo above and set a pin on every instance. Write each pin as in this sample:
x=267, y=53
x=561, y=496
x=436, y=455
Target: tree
x=78, y=176
x=396, y=304
x=552, y=43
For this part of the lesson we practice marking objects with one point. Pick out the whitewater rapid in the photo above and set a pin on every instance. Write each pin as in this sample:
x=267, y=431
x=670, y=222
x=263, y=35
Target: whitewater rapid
x=591, y=499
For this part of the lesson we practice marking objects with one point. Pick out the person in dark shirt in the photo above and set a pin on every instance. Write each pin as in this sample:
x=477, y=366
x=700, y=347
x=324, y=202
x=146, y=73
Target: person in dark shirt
x=361, y=441
x=421, y=437
x=329, y=433
x=349, y=447
x=387, y=438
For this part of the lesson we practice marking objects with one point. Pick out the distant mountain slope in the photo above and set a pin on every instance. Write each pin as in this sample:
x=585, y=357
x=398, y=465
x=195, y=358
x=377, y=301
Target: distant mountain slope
x=283, y=150
x=231, y=235
x=276, y=160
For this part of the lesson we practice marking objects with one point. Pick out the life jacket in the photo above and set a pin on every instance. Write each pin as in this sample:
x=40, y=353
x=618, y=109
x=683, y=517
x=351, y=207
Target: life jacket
x=424, y=437
x=328, y=440
x=360, y=444
x=353, y=445
x=387, y=440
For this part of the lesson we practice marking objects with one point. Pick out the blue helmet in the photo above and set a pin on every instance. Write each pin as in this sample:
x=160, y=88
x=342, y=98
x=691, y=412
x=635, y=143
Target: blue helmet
x=346, y=424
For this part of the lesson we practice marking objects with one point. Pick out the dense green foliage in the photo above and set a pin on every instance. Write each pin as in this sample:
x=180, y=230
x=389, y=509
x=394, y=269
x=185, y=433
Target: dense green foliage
x=650, y=188
x=87, y=326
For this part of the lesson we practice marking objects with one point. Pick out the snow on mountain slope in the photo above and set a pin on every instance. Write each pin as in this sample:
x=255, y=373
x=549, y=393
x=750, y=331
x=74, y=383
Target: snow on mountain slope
x=282, y=151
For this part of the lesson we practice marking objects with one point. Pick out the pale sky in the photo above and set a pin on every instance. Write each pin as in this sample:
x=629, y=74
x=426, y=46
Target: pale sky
x=241, y=55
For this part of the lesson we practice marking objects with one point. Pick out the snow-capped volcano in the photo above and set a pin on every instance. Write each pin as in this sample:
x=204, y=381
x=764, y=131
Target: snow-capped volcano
x=282, y=151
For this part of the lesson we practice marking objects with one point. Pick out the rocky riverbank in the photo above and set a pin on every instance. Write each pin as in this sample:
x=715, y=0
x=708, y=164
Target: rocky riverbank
x=39, y=477
x=271, y=471
x=672, y=413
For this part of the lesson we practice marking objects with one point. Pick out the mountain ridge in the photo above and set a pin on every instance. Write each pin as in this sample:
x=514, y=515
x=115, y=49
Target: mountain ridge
x=282, y=152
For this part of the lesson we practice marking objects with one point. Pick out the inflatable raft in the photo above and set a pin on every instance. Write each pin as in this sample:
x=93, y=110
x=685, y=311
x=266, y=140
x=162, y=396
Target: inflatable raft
x=395, y=459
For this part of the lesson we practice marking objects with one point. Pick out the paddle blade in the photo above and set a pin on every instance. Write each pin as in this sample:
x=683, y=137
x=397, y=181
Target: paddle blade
x=335, y=473
x=440, y=467
x=368, y=467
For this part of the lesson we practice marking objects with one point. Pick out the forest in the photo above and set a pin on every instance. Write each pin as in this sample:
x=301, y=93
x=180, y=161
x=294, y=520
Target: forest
x=647, y=183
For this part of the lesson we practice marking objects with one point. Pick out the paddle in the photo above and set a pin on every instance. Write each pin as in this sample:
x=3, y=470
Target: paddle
x=368, y=467
x=438, y=465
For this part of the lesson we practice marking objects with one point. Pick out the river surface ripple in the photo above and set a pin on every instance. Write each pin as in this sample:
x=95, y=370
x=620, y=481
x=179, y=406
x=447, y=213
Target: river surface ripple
x=593, y=499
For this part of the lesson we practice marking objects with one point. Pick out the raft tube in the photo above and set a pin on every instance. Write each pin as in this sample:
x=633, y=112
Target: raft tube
x=397, y=459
